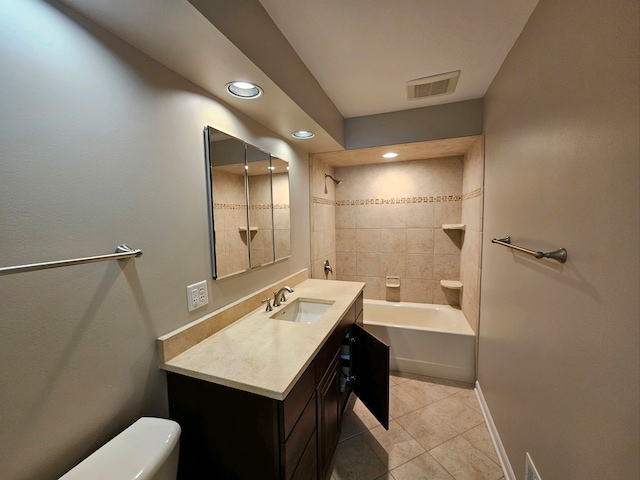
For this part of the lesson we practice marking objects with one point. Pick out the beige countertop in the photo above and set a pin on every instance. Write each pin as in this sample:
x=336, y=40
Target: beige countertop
x=263, y=355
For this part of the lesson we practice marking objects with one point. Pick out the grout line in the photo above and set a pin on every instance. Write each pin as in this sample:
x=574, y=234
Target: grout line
x=448, y=396
x=488, y=423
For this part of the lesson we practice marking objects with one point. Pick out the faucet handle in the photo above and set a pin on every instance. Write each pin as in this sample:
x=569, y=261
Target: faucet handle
x=268, y=302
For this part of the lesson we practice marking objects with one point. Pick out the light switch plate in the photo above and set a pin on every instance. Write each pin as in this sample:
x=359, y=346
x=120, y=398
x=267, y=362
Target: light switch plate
x=197, y=295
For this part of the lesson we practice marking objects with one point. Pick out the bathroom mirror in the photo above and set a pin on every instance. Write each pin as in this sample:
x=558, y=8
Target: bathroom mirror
x=281, y=210
x=260, y=201
x=248, y=194
x=227, y=203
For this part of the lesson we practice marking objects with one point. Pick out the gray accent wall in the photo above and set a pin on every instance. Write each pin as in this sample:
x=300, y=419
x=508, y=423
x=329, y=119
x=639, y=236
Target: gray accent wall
x=100, y=145
x=451, y=120
x=559, y=344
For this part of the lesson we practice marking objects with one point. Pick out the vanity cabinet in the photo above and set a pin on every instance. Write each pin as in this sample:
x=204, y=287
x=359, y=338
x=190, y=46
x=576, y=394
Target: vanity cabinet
x=329, y=416
x=234, y=434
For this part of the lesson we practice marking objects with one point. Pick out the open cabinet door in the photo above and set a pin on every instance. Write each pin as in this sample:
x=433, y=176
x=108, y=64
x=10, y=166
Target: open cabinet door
x=371, y=370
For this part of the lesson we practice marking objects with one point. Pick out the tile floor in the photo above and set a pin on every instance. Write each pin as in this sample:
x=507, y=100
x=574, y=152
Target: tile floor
x=436, y=432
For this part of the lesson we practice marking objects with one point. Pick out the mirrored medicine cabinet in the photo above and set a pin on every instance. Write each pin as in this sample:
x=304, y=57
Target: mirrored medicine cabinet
x=248, y=195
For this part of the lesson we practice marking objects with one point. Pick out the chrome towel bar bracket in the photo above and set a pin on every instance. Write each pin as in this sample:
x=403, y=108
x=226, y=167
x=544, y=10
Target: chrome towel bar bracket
x=123, y=252
x=560, y=255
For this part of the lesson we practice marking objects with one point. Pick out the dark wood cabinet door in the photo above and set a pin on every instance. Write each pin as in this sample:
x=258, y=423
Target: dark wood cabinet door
x=226, y=433
x=307, y=469
x=370, y=360
x=328, y=416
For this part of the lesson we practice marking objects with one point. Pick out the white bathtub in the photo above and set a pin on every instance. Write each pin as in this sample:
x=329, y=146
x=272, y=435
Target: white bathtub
x=432, y=340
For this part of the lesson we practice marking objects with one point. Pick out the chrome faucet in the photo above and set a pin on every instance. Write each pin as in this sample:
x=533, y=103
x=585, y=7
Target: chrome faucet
x=279, y=297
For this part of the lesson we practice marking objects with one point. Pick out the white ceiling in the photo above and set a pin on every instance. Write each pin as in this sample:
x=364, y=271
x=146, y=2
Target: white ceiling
x=362, y=52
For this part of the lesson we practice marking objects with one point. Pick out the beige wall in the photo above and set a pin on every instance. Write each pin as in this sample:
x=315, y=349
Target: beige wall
x=102, y=145
x=559, y=344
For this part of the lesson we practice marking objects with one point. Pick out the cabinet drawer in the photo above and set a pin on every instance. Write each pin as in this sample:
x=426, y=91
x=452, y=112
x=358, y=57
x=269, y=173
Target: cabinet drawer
x=293, y=449
x=294, y=404
x=307, y=468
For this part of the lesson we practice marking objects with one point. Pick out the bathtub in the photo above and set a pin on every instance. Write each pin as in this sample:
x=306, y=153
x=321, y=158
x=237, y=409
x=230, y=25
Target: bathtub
x=432, y=340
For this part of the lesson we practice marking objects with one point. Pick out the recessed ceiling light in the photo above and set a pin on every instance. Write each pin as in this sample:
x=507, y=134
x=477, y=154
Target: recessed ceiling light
x=390, y=155
x=303, y=134
x=244, y=89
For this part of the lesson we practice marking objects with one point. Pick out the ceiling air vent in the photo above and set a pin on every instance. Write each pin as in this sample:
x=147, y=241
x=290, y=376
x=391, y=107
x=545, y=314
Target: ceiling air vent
x=431, y=86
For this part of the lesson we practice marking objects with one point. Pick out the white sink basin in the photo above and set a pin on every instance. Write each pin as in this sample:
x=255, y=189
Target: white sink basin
x=303, y=310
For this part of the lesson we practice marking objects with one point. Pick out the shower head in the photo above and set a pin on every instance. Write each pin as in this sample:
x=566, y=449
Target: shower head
x=337, y=182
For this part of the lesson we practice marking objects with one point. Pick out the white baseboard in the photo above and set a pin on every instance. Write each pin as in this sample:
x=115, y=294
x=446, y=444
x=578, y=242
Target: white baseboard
x=495, y=437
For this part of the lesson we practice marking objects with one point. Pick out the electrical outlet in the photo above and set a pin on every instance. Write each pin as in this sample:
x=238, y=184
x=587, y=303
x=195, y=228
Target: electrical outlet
x=197, y=295
x=530, y=472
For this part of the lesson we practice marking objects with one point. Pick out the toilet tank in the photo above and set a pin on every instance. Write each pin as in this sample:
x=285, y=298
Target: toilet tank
x=147, y=450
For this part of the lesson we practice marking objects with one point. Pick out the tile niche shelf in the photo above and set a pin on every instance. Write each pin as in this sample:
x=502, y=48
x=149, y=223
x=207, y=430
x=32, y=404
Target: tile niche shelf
x=244, y=229
x=453, y=226
x=451, y=284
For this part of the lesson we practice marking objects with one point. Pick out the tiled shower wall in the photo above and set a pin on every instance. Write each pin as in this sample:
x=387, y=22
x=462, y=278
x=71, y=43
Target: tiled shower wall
x=389, y=223
x=471, y=255
x=386, y=220
x=323, y=220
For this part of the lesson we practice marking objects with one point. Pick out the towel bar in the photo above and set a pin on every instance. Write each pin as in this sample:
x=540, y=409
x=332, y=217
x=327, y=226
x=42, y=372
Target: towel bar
x=560, y=255
x=123, y=252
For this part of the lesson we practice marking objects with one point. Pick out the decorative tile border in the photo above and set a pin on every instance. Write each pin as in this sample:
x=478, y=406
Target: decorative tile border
x=388, y=201
x=242, y=206
x=324, y=201
x=229, y=206
x=267, y=206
